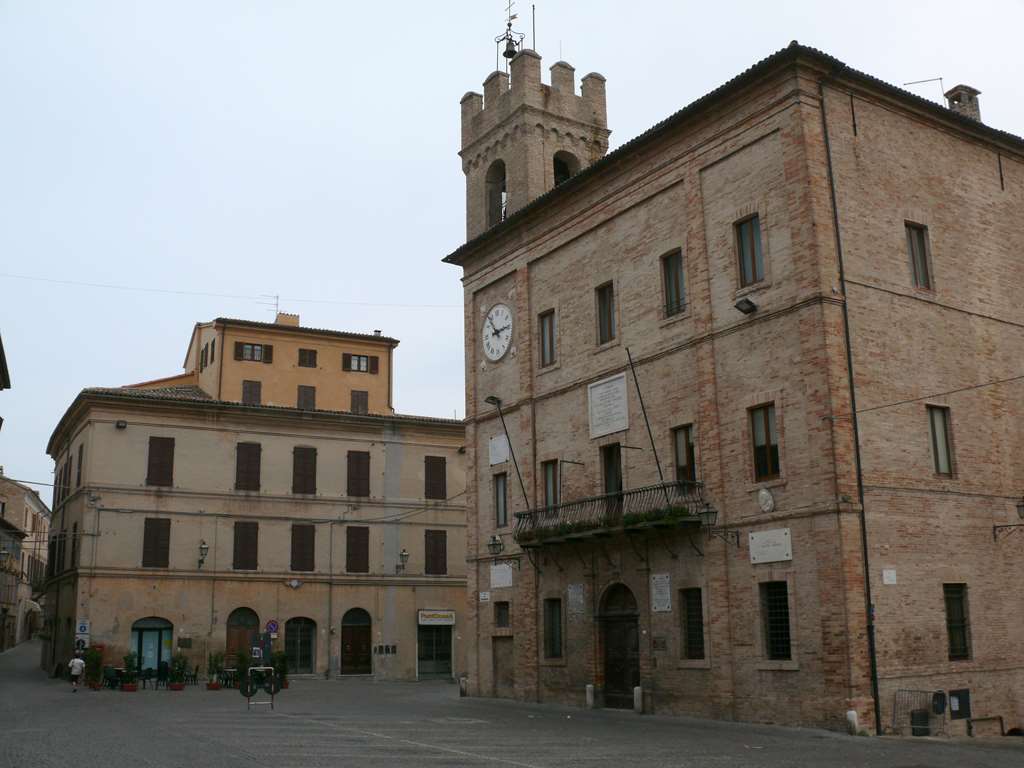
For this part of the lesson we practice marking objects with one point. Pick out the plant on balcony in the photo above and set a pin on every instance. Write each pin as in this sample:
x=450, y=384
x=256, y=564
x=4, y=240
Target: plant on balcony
x=94, y=667
x=674, y=513
x=178, y=671
x=214, y=669
x=131, y=671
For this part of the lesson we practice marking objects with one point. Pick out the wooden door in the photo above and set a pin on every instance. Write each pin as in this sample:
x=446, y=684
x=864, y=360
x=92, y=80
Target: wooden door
x=503, y=652
x=355, y=650
x=239, y=639
x=621, y=661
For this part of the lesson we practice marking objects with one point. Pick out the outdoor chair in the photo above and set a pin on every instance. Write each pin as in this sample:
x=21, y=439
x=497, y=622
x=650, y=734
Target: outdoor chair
x=146, y=676
x=161, y=674
x=193, y=676
x=110, y=678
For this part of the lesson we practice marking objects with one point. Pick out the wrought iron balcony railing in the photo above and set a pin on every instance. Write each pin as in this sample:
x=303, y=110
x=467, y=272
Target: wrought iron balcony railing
x=662, y=505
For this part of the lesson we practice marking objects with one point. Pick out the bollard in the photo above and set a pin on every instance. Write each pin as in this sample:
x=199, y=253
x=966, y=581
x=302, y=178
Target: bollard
x=590, y=697
x=463, y=686
x=852, y=723
x=638, y=700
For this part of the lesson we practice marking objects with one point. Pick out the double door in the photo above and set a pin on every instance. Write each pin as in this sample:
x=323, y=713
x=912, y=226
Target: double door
x=434, y=651
x=621, y=661
x=355, y=650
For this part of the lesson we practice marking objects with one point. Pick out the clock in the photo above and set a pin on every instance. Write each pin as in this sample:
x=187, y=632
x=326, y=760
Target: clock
x=497, y=332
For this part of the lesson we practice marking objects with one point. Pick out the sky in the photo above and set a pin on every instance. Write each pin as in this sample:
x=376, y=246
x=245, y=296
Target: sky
x=202, y=155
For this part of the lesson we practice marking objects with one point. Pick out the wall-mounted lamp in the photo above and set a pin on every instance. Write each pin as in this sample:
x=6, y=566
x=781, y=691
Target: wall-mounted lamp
x=403, y=556
x=121, y=424
x=495, y=545
x=746, y=306
x=204, y=550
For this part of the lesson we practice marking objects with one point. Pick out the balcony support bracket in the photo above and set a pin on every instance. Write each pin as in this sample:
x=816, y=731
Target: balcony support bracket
x=533, y=562
x=671, y=553
x=604, y=551
x=695, y=547
x=587, y=569
x=640, y=555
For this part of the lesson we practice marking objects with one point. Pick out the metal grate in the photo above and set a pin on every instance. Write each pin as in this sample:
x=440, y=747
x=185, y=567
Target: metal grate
x=775, y=610
x=913, y=714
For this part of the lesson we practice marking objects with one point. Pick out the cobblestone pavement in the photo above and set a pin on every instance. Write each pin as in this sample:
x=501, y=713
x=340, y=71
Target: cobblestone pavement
x=361, y=723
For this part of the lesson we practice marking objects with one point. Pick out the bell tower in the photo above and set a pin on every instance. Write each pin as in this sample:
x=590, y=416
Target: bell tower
x=521, y=137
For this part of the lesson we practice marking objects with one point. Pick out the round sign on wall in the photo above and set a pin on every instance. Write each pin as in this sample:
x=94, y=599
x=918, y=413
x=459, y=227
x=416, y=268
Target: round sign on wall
x=272, y=625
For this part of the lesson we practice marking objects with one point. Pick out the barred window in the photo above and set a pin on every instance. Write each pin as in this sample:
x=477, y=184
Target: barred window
x=775, y=618
x=692, y=616
x=553, y=628
x=957, y=625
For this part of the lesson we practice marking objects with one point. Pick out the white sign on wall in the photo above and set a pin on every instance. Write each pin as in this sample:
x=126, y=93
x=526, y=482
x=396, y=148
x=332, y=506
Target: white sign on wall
x=431, y=618
x=577, y=600
x=606, y=400
x=485, y=597
x=501, y=575
x=888, y=576
x=772, y=546
x=498, y=449
x=661, y=592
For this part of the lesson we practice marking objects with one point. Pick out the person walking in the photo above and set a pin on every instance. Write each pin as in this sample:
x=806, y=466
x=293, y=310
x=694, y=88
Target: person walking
x=76, y=665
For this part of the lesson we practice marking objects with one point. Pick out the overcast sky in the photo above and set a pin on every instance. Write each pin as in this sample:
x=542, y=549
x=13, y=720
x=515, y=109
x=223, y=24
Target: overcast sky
x=308, y=149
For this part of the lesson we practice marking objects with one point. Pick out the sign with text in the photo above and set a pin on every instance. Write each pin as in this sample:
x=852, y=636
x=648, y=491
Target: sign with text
x=577, y=600
x=661, y=592
x=773, y=546
x=485, y=597
x=434, y=618
x=606, y=400
x=501, y=575
x=498, y=449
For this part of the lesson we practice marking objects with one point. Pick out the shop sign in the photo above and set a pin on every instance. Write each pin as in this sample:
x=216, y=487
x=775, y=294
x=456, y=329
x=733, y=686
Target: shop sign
x=772, y=546
x=661, y=593
x=432, y=618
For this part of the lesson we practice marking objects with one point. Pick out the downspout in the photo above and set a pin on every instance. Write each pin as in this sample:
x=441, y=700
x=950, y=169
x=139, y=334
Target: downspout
x=869, y=604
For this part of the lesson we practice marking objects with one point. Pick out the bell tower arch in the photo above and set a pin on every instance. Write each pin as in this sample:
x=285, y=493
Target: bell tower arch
x=521, y=137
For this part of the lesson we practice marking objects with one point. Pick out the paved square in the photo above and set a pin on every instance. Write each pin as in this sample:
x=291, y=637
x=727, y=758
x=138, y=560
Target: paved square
x=400, y=725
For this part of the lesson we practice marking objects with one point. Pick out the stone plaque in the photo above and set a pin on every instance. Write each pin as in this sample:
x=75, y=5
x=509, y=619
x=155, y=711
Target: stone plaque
x=577, y=600
x=888, y=576
x=485, y=597
x=661, y=592
x=607, y=403
x=772, y=546
x=501, y=575
x=498, y=449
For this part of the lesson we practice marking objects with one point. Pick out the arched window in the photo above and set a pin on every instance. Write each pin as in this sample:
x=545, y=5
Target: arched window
x=497, y=193
x=565, y=165
x=300, y=645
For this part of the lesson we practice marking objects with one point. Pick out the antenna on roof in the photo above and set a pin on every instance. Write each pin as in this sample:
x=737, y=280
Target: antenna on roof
x=273, y=302
x=942, y=88
x=513, y=40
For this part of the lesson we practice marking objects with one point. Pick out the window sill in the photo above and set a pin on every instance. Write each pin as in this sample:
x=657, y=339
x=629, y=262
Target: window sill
x=667, y=320
x=553, y=662
x=541, y=370
x=606, y=346
x=752, y=288
x=693, y=664
x=787, y=665
x=775, y=482
x=501, y=632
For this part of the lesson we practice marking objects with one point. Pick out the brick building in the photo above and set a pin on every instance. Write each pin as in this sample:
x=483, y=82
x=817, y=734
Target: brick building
x=814, y=274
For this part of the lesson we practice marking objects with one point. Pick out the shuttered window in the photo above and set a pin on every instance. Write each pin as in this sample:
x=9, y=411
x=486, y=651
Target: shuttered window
x=247, y=534
x=358, y=473
x=360, y=363
x=247, y=466
x=307, y=398
x=360, y=401
x=257, y=353
x=435, y=478
x=436, y=553
x=161, y=461
x=156, y=542
x=303, y=469
x=307, y=358
x=303, y=546
x=357, y=549
x=252, y=392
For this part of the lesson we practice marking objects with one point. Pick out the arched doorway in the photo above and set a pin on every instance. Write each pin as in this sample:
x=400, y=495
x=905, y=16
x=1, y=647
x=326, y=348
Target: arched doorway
x=355, y=643
x=151, y=642
x=300, y=645
x=621, y=639
x=242, y=632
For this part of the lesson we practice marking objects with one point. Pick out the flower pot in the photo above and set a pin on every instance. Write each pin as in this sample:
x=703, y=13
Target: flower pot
x=95, y=686
x=213, y=686
x=129, y=687
x=176, y=686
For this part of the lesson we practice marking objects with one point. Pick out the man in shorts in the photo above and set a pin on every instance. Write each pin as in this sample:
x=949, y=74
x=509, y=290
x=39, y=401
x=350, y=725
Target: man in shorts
x=76, y=665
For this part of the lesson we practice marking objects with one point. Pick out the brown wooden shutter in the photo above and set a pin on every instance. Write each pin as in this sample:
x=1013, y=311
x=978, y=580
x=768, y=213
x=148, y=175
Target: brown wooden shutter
x=238, y=350
x=357, y=549
x=161, y=461
x=304, y=469
x=268, y=353
x=360, y=401
x=374, y=364
x=435, y=479
x=303, y=541
x=436, y=551
x=358, y=473
x=246, y=555
x=247, y=466
x=346, y=361
x=156, y=542
x=307, y=398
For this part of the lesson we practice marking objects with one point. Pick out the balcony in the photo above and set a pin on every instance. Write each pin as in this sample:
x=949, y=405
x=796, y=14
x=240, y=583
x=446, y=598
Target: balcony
x=666, y=505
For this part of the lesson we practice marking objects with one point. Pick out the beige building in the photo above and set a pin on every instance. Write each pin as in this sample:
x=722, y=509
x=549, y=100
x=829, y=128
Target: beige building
x=24, y=528
x=801, y=505
x=196, y=522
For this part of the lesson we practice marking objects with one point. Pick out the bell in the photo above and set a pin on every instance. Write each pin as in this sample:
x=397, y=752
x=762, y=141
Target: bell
x=510, y=48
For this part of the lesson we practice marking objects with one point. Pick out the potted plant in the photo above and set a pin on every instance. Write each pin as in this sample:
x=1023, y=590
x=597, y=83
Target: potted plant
x=279, y=661
x=214, y=668
x=179, y=668
x=131, y=671
x=94, y=667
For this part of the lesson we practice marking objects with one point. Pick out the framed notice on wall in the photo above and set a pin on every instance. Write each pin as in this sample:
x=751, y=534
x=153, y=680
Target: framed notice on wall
x=606, y=400
x=661, y=592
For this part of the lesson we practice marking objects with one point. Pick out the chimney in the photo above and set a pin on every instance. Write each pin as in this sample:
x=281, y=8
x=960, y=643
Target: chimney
x=376, y=332
x=286, y=318
x=964, y=101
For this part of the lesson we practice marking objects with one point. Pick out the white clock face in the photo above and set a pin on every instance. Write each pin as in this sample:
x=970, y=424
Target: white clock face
x=497, y=332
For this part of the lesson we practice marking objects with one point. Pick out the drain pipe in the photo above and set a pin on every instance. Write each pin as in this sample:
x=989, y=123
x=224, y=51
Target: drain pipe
x=872, y=650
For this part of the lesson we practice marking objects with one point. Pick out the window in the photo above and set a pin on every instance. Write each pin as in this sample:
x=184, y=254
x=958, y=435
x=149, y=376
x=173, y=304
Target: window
x=161, y=461
x=748, y=248
x=358, y=473
x=435, y=478
x=357, y=549
x=307, y=358
x=303, y=547
x=692, y=617
x=156, y=542
x=552, y=628
x=501, y=500
x=686, y=462
x=549, y=471
x=957, y=625
x=247, y=466
x=766, y=442
x=81, y=456
x=360, y=401
x=917, y=245
x=436, y=551
x=565, y=166
x=611, y=468
x=502, y=617
x=247, y=534
x=203, y=354
x=672, y=275
x=497, y=193
x=303, y=469
x=307, y=398
x=547, y=338
x=213, y=350
x=938, y=418
x=257, y=353
x=74, y=545
x=605, y=313
x=251, y=392
x=775, y=618
x=360, y=363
